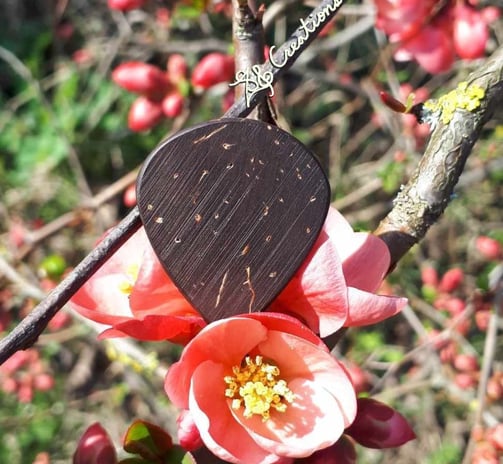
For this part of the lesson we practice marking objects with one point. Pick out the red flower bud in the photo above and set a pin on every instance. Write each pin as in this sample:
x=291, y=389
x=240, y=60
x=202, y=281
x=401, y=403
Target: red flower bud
x=465, y=381
x=129, y=197
x=188, y=434
x=451, y=280
x=172, y=105
x=213, y=69
x=95, y=447
x=144, y=114
x=141, y=78
x=342, y=452
x=379, y=426
x=488, y=247
x=466, y=363
x=429, y=276
x=125, y=5
x=392, y=103
x=176, y=68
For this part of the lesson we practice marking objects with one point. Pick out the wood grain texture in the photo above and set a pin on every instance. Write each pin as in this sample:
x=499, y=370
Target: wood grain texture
x=232, y=207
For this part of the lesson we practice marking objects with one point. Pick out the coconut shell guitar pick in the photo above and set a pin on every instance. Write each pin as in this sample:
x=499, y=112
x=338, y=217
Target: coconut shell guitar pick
x=232, y=208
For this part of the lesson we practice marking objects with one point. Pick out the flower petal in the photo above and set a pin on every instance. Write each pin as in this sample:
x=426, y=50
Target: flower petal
x=317, y=292
x=297, y=358
x=288, y=324
x=113, y=304
x=177, y=329
x=226, y=341
x=313, y=421
x=367, y=308
x=219, y=430
x=366, y=264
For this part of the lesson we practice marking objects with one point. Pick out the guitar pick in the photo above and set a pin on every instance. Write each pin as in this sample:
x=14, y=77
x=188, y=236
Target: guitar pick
x=232, y=207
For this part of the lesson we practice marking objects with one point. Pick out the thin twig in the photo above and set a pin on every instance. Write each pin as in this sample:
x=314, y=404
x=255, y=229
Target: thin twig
x=25, y=334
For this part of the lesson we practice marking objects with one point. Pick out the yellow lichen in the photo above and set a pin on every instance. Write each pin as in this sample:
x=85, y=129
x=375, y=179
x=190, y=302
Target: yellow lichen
x=466, y=97
x=255, y=386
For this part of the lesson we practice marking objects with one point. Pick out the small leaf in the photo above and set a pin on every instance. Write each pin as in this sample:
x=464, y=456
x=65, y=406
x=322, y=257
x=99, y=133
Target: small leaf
x=147, y=440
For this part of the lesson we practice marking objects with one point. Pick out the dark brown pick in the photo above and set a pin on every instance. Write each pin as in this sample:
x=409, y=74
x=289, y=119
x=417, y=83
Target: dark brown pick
x=232, y=207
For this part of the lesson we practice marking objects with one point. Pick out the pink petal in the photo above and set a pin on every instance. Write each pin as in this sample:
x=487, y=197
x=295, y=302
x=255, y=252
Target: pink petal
x=297, y=358
x=317, y=293
x=177, y=329
x=312, y=422
x=366, y=263
x=226, y=342
x=219, y=430
x=154, y=292
x=287, y=324
x=367, y=308
x=102, y=300
x=336, y=226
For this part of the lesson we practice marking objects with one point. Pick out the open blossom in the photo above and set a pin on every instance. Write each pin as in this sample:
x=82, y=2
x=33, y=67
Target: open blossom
x=132, y=294
x=336, y=284
x=261, y=388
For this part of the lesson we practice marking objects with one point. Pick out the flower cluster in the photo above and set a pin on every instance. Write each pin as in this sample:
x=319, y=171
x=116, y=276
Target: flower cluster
x=162, y=93
x=261, y=387
x=434, y=34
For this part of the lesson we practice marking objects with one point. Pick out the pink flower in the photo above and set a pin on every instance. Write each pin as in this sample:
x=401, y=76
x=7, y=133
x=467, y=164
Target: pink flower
x=262, y=387
x=336, y=284
x=132, y=293
x=379, y=426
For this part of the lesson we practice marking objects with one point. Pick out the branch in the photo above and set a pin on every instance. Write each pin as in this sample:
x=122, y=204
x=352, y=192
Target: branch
x=421, y=202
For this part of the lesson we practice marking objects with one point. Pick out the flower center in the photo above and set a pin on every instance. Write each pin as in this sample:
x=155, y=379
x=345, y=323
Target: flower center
x=255, y=385
x=131, y=274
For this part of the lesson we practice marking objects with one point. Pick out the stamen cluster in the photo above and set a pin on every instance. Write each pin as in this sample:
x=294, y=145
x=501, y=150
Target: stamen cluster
x=255, y=385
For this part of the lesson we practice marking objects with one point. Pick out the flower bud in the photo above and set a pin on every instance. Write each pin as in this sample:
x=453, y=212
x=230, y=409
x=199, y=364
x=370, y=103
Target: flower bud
x=95, y=447
x=188, y=434
x=125, y=5
x=213, y=69
x=144, y=114
x=451, y=280
x=141, y=78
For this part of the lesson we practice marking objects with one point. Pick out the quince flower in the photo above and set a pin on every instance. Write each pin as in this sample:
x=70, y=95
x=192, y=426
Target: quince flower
x=262, y=388
x=132, y=293
x=336, y=284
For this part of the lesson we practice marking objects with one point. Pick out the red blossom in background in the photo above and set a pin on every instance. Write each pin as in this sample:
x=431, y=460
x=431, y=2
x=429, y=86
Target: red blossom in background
x=379, y=426
x=432, y=35
x=262, y=387
x=132, y=294
x=23, y=374
x=336, y=285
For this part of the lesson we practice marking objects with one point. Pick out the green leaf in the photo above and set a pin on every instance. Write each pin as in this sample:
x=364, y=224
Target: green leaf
x=147, y=440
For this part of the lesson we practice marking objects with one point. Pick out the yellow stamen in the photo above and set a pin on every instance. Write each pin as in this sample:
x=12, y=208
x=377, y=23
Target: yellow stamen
x=255, y=386
x=131, y=273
